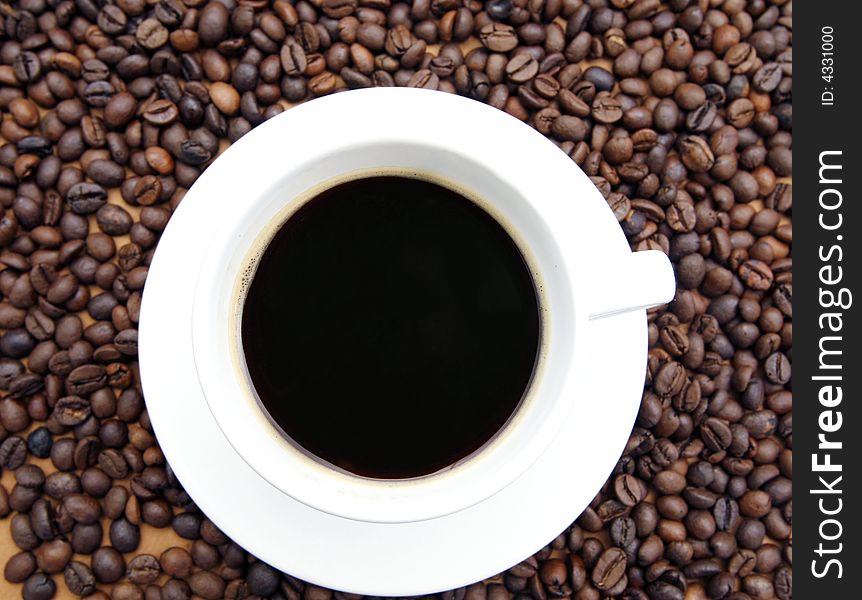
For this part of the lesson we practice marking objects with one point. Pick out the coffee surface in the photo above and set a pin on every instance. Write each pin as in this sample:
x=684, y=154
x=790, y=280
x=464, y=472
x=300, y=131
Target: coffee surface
x=391, y=327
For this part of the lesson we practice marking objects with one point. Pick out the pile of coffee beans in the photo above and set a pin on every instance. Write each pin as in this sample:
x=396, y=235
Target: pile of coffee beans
x=679, y=111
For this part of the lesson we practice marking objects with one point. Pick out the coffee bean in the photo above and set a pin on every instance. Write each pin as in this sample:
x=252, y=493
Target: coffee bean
x=424, y=79
x=783, y=583
x=39, y=587
x=702, y=117
x=756, y=275
x=86, y=452
x=40, y=442
x=606, y=109
x=498, y=37
x=262, y=579
x=623, y=531
x=13, y=452
x=114, y=220
x=13, y=414
x=716, y=434
x=629, y=489
x=522, y=68
x=176, y=562
x=22, y=532
x=176, y=589
x=570, y=128
x=59, y=485
x=108, y=565
x=323, y=84
x=147, y=190
x=124, y=536
x=193, y=152
x=79, y=579
x=669, y=482
x=16, y=343
x=113, y=463
x=726, y=513
x=207, y=585
x=609, y=571
x=225, y=98
x=205, y=555
x=27, y=67
x=670, y=379
x=71, y=410
x=42, y=519
x=83, y=509
x=19, y=567
x=143, y=569
x=53, y=556
x=187, y=525
x=151, y=34
x=696, y=154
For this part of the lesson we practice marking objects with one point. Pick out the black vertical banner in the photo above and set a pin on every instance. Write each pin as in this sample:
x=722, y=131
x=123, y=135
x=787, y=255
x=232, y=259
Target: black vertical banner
x=827, y=175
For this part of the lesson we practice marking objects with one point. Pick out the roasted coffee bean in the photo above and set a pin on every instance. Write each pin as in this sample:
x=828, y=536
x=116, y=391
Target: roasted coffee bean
x=40, y=442
x=156, y=513
x=22, y=531
x=606, y=109
x=670, y=379
x=160, y=113
x=726, y=513
x=13, y=452
x=124, y=536
x=86, y=452
x=71, y=410
x=19, y=567
x=39, y=587
x=205, y=555
x=147, y=190
x=629, y=489
x=176, y=562
x=120, y=109
x=522, y=68
x=79, y=578
x=86, y=198
x=108, y=565
x=187, y=525
x=207, y=585
x=59, y=485
x=716, y=434
x=262, y=579
x=696, y=154
x=95, y=482
x=27, y=67
x=83, y=509
x=609, y=571
x=86, y=379
x=113, y=463
x=53, y=556
x=783, y=583
x=114, y=220
x=498, y=37
x=194, y=153
x=143, y=569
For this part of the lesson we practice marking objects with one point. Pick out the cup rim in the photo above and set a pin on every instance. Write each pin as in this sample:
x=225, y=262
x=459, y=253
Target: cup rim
x=387, y=500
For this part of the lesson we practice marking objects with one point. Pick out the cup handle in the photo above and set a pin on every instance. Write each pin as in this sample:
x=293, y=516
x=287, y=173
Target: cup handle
x=635, y=281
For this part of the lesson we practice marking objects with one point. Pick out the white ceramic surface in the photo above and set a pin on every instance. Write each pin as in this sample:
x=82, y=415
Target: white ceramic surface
x=485, y=514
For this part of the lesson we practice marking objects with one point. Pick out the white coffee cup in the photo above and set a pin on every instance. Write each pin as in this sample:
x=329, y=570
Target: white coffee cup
x=551, y=209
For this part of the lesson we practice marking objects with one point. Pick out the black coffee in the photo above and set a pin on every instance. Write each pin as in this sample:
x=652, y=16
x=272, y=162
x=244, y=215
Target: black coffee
x=391, y=327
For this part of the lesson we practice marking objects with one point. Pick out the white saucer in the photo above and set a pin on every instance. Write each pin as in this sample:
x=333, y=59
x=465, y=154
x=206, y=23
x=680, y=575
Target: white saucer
x=361, y=557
